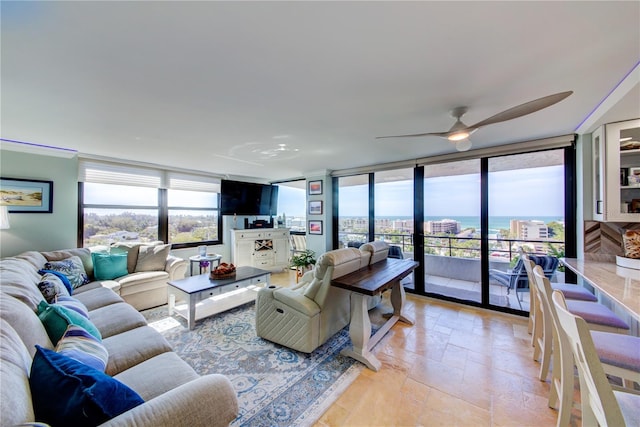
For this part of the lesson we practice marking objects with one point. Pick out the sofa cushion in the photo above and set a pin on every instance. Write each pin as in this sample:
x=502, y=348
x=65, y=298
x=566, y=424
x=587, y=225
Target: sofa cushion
x=97, y=297
x=152, y=258
x=71, y=267
x=80, y=345
x=132, y=251
x=51, y=287
x=122, y=355
x=25, y=322
x=151, y=378
x=108, y=266
x=56, y=319
x=116, y=318
x=15, y=362
x=143, y=281
x=67, y=392
x=19, y=279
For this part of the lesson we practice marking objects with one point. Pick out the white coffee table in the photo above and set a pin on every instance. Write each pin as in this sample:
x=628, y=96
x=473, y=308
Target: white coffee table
x=203, y=297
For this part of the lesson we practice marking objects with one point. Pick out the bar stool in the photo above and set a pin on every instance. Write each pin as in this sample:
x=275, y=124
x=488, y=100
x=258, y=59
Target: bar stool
x=569, y=291
x=618, y=353
x=601, y=405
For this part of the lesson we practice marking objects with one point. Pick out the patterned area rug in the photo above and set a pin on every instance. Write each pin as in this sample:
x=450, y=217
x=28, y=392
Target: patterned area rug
x=276, y=386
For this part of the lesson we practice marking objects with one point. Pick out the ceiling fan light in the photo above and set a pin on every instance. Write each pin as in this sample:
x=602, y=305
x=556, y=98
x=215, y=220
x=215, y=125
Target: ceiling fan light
x=463, y=145
x=458, y=136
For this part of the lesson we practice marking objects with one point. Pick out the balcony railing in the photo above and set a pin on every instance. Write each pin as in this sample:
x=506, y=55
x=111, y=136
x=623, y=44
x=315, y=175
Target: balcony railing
x=464, y=247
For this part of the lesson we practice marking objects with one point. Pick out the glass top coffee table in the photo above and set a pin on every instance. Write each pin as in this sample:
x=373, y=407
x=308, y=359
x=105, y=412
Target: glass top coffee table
x=203, y=297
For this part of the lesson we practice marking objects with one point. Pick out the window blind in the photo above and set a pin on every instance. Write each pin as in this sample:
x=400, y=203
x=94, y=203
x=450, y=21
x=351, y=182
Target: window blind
x=119, y=174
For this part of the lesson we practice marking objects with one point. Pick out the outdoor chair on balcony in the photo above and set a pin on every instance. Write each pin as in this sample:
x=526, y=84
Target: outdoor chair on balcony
x=517, y=278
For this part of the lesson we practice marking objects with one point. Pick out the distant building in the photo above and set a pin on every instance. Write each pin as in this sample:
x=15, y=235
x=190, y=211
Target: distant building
x=528, y=230
x=442, y=226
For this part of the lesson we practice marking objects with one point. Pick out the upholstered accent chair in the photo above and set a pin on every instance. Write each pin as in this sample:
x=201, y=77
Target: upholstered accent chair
x=307, y=315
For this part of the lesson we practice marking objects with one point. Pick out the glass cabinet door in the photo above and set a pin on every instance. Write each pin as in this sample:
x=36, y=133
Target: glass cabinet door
x=623, y=159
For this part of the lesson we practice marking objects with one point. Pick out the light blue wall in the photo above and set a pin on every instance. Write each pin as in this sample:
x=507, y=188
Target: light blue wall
x=42, y=231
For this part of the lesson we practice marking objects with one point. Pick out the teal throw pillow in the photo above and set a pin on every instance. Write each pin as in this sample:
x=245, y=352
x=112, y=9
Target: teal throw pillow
x=71, y=267
x=62, y=277
x=56, y=319
x=66, y=392
x=108, y=266
x=51, y=287
x=80, y=345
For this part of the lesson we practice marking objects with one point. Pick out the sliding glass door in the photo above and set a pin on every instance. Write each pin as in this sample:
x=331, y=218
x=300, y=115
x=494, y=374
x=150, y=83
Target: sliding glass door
x=452, y=230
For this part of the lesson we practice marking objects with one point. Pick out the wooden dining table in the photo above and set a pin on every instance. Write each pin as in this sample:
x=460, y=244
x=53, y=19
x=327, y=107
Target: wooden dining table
x=621, y=285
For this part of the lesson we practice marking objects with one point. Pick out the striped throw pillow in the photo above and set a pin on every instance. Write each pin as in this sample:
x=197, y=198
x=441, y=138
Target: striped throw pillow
x=78, y=344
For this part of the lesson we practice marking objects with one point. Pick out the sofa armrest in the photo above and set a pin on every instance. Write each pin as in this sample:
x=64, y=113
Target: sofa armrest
x=176, y=267
x=207, y=401
x=297, y=301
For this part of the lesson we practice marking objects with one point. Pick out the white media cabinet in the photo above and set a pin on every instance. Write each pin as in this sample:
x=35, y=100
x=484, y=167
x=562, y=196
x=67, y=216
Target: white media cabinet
x=265, y=248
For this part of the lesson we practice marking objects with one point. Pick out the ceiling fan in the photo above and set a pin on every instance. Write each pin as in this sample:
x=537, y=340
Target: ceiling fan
x=459, y=132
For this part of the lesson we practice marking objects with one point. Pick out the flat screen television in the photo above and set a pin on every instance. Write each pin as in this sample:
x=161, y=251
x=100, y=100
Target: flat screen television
x=248, y=198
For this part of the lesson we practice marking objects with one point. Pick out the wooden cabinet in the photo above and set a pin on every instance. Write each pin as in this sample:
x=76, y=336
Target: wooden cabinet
x=265, y=248
x=616, y=172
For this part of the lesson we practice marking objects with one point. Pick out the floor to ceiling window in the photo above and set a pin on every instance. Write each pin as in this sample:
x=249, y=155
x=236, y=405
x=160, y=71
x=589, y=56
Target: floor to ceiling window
x=526, y=211
x=465, y=221
x=452, y=230
x=292, y=205
x=353, y=210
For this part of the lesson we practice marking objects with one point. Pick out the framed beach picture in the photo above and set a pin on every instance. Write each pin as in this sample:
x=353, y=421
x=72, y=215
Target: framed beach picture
x=315, y=207
x=315, y=187
x=26, y=195
x=315, y=227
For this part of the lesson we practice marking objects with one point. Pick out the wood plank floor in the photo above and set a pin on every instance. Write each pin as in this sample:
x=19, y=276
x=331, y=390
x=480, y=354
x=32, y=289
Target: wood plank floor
x=457, y=366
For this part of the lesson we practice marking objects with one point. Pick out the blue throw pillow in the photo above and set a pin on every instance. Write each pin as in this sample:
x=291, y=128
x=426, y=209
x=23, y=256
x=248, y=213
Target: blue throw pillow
x=71, y=267
x=56, y=319
x=108, y=266
x=51, y=287
x=62, y=277
x=66, y=392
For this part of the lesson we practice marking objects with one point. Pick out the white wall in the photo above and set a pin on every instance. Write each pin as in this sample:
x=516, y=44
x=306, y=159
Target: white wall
x=42, y=231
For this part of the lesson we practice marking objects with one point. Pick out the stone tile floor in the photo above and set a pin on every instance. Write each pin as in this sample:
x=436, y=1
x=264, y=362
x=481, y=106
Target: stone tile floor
x=457, y=366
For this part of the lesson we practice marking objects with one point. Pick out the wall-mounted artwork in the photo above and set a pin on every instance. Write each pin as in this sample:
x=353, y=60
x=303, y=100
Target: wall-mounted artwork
x=315, y=207
x=315, y=188
x=26, y=195
x=315, y=227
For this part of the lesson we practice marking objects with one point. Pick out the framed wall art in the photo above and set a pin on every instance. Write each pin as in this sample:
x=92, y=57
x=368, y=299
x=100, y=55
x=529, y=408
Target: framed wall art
x=26, y=195
x=315, y=207
x=315, y=187
x=315, y=227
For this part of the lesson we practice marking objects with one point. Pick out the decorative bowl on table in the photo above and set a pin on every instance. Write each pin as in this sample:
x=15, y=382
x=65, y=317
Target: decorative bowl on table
x=631, y=247
x=223, y=271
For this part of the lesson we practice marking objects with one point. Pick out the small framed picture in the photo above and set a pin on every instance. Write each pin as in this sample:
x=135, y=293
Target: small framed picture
x=315, y=207
x=315, y=187
x=26, y=195
x=635, y=206
x=315, y=227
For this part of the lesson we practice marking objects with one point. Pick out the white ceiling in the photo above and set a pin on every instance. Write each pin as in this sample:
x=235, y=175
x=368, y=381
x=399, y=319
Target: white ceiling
x=217, y=86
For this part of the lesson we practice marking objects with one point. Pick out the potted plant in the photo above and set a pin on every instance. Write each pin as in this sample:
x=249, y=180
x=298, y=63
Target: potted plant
x=303, y=261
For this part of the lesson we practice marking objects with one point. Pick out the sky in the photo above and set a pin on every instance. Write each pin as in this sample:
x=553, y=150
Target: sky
x=522, y=192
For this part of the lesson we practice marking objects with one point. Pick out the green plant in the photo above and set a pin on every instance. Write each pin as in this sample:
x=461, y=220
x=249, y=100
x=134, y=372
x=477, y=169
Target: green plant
x=304, y=259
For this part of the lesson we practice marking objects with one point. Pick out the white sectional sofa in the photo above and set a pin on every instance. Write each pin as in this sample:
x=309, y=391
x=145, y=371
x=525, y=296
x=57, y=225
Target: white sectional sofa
x=139, y=358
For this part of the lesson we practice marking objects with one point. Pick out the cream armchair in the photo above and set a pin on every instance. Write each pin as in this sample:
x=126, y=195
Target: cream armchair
x=305, y=316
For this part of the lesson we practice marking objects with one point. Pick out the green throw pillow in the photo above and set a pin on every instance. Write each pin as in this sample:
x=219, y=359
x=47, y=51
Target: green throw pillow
x=108, y=266
x=56, y=319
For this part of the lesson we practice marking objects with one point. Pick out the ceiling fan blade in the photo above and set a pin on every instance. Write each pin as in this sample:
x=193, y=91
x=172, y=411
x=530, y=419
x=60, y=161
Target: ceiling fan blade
x=442, y=134
x=524, y=109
